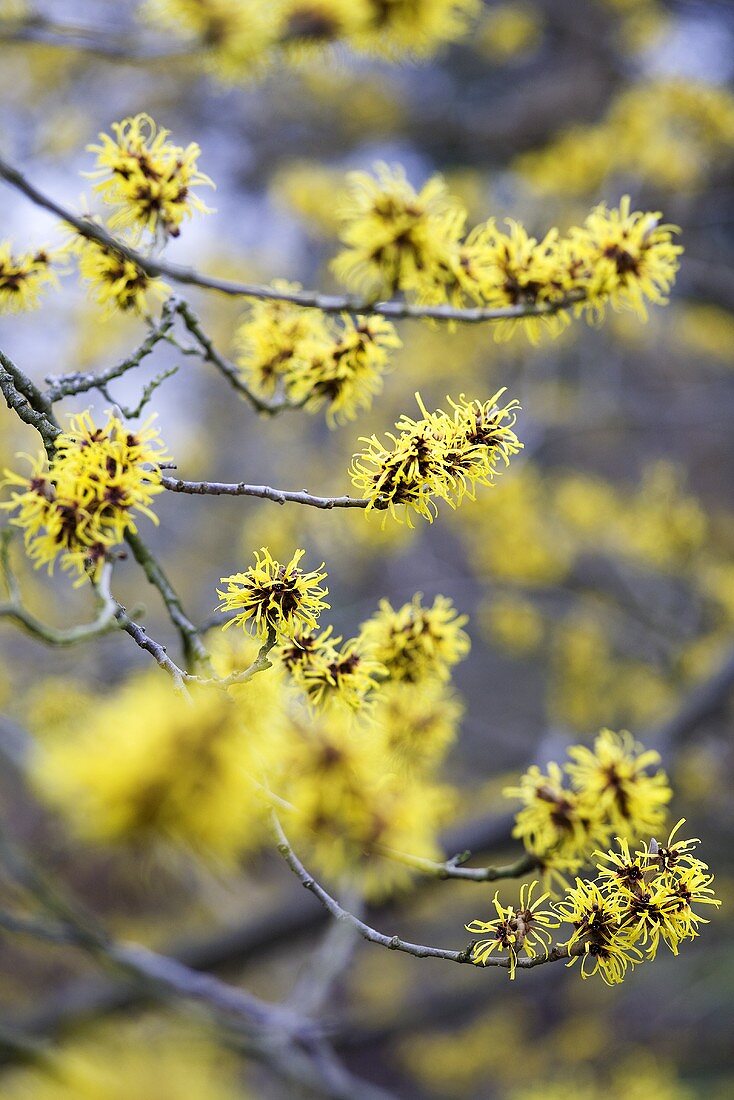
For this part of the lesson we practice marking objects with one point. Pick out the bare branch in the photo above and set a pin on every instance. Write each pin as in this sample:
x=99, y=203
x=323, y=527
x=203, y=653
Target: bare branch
x=395, y=943
x=453, y=868
x=70, y=384
x=264, y=492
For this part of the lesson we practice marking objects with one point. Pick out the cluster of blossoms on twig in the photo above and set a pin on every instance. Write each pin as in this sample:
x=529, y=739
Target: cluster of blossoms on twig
x=315, y=360
x=347, y=739
x=79, y=503
x=636, y=901
x=236, y=41
x=23, y=276
x=440, y=456
x=272, y=599
x=614, y=787
x=398, y=239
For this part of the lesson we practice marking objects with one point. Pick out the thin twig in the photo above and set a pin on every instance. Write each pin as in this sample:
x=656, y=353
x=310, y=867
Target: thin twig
x=453, y=868
x=14, y=610
x=395, y=943
x=264, y=492
x=67, y=385
x=194, y=648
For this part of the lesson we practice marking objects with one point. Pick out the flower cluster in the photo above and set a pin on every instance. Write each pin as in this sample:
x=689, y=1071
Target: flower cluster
x=440, y=455
x=147, y=178
x=114, y=281
x=637, y=900
x=669, y=131
x=398, y=239
x=317, y=361
x=239, y=41
x=23, y=277
x=149, y=764
x=415, y=643
x=615, y=786
x=640, y=899
x=81, y=502
x=515, y=931
x=327, y=669
x=274, y=600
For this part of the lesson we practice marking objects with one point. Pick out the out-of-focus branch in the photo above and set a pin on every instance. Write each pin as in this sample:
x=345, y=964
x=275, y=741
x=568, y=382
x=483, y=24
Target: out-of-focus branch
x=265, y=492
x=14, y=610
x=309, y=299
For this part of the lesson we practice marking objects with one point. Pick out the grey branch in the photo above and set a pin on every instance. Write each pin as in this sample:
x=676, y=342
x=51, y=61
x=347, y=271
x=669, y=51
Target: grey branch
x=308, y=299
x=394, y=943
x=265, y=492
x=70, y=384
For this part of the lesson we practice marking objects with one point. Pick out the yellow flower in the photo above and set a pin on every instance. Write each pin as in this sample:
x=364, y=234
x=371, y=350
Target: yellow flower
x=515, y=930
x=607, y=949
x=615, y=776
x=415, y=26
x=23, y=277
x=80, y=504
x=148, y=178
x=624, y=257
x=555, y=823
x=345, y=673
x=115, y=282
x=273, y=335
x=397, y=238
x=418, y=725
x=147, y=764
x=344, y=369
x=274, y=599
x=437, y=455
x=416, y=642
x=347, y=805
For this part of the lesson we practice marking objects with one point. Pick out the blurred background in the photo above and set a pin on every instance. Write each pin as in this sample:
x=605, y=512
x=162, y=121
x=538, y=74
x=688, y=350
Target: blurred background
x=598, y=574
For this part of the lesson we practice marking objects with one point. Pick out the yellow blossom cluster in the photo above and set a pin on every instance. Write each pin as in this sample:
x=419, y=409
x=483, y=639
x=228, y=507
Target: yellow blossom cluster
x=23, y=277
x=147, y=179
x=79, y=504
x=363, y=774
x=148, y=764
x=239, y=41
x=315, y=360
x=271, y=599
x=399, y=239
x=669, y=131
x=636, y=901
x=440, y=455
x=350, y=757
x=614, y=786
x=147, y=1057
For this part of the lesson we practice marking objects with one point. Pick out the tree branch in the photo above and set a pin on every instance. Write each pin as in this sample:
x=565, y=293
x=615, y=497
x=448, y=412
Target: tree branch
x=264, y=492
x=309, y=299
x=394, y=943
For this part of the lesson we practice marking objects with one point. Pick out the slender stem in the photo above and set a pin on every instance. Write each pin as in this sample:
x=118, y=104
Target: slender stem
x=222, y=364
x=309, y=299
x=193, y=647
x=452, y=868
x=70, y=384
x=264, y=492
x=395, y=943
